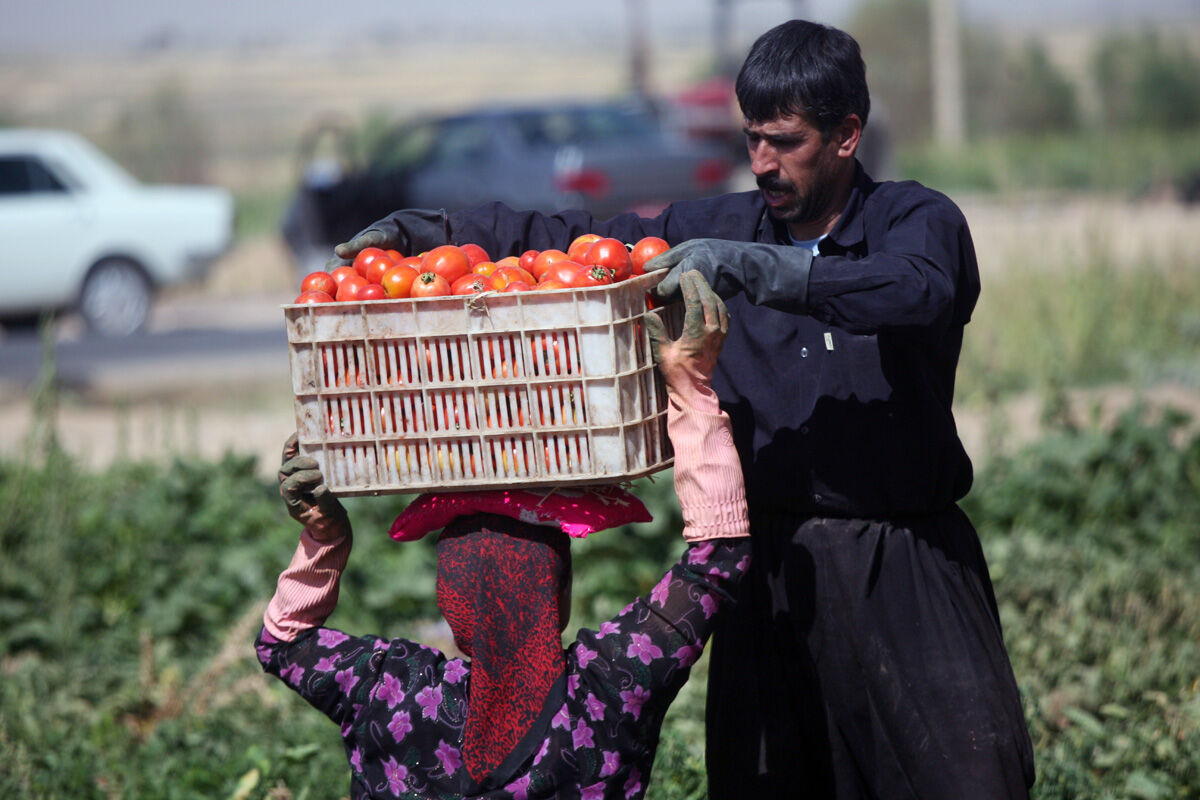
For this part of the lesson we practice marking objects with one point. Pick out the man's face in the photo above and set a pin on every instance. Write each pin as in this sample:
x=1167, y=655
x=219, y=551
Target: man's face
x=798, y=172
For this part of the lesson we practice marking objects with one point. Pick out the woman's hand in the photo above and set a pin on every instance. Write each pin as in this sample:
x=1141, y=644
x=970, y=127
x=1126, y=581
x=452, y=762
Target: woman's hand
x=687, y=363
x=307, y=498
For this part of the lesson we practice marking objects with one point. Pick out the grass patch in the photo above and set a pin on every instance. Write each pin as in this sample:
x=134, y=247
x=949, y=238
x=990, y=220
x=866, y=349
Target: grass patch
x=260, y=211
x=1082, y=324
x=1130, y=163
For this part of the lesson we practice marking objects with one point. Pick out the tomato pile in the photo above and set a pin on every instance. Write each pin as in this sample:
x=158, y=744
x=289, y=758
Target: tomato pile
x=377, y=274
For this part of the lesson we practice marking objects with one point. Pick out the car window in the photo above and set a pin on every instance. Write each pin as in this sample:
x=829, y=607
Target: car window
x=461, y=142
x=406, y=148
x=26, y=175
x=578, y=125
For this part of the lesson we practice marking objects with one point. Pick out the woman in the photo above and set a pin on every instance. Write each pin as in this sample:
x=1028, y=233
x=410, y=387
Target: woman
x=522, y=718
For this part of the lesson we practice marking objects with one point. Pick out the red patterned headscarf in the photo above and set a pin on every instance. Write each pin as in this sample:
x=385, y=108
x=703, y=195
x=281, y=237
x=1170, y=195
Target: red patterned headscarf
x=498, y=585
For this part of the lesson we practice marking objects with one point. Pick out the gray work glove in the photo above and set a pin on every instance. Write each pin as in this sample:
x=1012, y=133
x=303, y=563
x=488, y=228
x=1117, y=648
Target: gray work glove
x=687, y=363
x=410, y=231
x=344, y=253
x=307, y=498
x=770, y=274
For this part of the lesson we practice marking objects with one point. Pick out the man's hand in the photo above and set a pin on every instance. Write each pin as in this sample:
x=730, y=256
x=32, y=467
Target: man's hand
x=769, y=274
x=687, y=363
x=307, y=498
x=344, y=253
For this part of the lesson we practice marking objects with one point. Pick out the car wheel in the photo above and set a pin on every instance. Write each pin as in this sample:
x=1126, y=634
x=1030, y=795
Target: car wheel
x=115, y=299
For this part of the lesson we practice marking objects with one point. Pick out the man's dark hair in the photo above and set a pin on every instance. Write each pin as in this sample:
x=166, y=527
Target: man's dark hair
x=802, y=68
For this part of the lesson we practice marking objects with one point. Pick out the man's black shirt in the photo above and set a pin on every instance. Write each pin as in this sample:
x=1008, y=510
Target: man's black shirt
x=843, y=411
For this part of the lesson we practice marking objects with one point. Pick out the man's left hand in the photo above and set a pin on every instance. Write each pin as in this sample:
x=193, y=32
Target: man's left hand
x=769, y=274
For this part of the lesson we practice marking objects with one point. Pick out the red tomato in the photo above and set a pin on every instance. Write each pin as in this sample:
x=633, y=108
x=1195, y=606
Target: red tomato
x=550, y=283
x=612, y=255
x=378, y=268
x=395, y=255
x=485, y=268
x=372, y=291
x=448, y=261
x=398, y=280
x=470, y=284
x=517, y=286
x=545, y=260
x=509, y=261
x=526, y=260
x=475, y=253
x=341, y=273
x=646, y=249
x=592, y=276
x=319, y=281
x=366, y=257
x=314, y=296
x=546, y=357
x=348, y=289
x=579, y=246
x=563, y=272
x=430, y=284
x=505, y=275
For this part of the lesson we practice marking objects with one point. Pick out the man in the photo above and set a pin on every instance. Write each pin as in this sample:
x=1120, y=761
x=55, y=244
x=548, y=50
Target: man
x=864, y=658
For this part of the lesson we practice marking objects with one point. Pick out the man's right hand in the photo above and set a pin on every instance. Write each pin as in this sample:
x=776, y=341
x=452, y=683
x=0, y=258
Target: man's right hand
x=307, y=498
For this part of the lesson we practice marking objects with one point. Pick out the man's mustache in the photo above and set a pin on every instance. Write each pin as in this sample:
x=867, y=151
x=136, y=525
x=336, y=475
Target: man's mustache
x=771, y=183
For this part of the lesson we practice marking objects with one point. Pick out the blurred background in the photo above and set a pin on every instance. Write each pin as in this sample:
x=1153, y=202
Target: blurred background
x=135, y=469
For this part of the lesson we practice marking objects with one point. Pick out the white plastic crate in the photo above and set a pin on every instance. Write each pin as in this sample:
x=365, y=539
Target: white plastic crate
x=497, y=390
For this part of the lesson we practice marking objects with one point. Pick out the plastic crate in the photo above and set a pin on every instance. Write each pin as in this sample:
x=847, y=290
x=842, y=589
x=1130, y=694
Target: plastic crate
x=495, y=390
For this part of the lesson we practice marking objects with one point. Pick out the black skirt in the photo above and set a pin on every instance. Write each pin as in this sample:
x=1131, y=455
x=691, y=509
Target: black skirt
x=864, y=659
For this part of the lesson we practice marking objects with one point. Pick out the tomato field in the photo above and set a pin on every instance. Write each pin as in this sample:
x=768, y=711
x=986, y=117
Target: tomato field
x=130, y=598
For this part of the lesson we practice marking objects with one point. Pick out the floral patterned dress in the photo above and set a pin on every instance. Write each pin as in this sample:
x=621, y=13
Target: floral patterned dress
x=402, y=706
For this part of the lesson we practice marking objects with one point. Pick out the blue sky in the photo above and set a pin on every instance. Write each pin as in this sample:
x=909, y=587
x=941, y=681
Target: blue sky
x=44, y=25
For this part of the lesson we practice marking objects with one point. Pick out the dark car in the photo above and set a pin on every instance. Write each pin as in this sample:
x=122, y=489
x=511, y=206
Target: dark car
x=604, y=157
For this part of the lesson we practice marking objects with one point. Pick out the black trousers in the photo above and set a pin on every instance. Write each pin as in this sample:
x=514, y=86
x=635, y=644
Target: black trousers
x=864, y=659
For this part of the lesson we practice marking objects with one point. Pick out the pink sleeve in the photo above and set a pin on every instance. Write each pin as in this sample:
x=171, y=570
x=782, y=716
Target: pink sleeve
x=708, y=474
x=307, y=591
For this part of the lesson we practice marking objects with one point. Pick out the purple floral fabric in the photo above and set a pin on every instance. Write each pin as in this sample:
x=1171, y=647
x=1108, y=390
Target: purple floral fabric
x=402, y=706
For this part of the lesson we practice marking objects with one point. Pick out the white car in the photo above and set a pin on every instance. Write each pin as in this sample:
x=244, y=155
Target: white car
x=79, y=232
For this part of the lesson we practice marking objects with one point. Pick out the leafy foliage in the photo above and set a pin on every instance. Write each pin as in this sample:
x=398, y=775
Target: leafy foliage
x=1092, y=536
x=1144, y=81
x=129, y=598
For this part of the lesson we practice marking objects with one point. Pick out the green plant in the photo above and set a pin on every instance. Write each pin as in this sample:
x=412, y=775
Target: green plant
x=1145, y=81
x=1082, y=323
x=161, y=137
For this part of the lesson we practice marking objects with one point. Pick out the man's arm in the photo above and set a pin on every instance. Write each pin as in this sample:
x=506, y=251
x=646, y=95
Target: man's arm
x=922, y=278
x=503, y=231
x=495, y=227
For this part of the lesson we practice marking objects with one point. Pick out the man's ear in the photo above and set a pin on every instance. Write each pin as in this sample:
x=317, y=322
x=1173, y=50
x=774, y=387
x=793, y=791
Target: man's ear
x=847, y=134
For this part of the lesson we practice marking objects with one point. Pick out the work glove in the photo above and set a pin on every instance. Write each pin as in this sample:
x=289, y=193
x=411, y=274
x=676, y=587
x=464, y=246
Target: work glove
x=708, y=475
x=770, y=275
x=410, y=231
x=307, y=498
x=687, y=363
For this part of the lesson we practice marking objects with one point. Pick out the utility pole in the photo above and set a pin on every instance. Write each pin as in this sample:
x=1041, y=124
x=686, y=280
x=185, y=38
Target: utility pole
x=723, y=36
x=949, y=119
x=639, y=55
